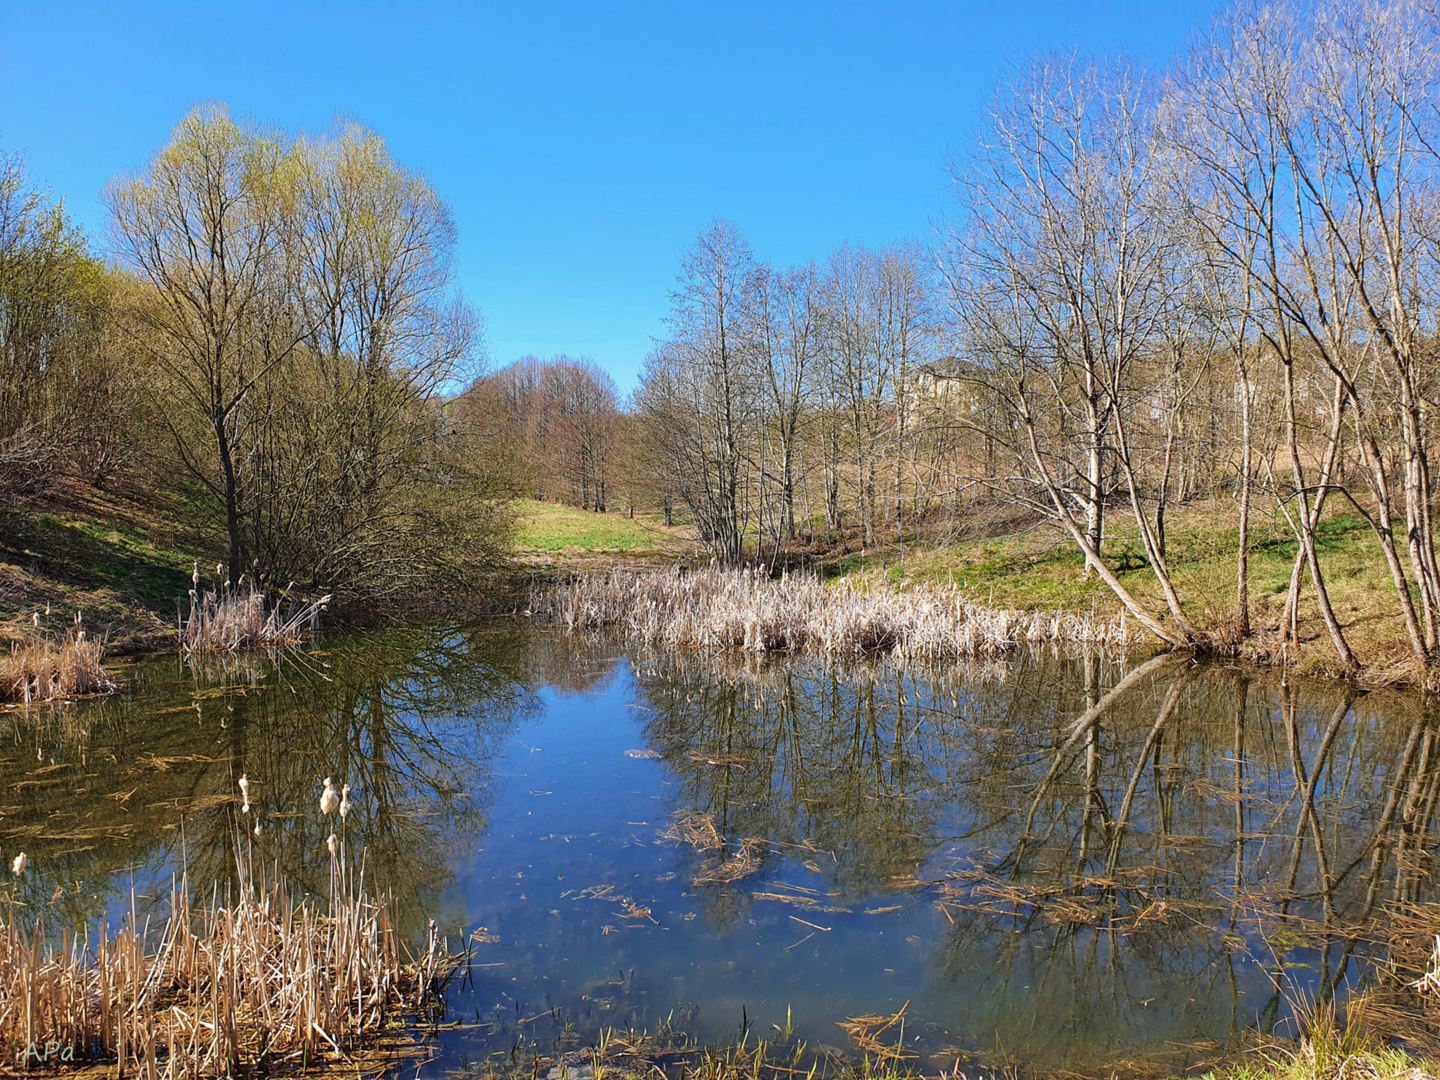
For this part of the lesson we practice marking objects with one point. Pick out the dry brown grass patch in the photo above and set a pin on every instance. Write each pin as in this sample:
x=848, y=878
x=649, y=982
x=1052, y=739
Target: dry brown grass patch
x=257, y=981
x=745, y=609
x=49, y=669
x=234, y=618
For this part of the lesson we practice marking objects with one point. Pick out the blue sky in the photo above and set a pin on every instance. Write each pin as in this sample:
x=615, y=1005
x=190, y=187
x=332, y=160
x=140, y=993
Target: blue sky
x=582, y=146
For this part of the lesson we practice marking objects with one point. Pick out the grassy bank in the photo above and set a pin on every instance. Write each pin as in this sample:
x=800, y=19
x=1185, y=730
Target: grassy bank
x=1028, y=566
x=746, y=609
x=999, y=559
x=549, y=530
x=123, y=561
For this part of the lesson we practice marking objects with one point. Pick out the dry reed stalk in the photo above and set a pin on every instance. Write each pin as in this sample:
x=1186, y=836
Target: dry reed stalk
x=697, y=831
x=236, y=618
x=866, y=1032
x=260, y=981
x=744, y=609
x=46, y=669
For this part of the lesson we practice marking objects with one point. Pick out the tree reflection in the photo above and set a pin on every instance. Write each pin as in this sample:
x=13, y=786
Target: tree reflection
x=409, y=719
x=1094, y=857
x=1096, y=838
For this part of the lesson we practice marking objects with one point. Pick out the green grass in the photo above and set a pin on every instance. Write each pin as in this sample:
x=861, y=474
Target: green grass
x=1042, y=570
x=552, y=527
x=123, y=563
x=1378, y=1064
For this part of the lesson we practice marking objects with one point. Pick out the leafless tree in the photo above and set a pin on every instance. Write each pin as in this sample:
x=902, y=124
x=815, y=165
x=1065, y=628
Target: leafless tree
x=698, y=391
x=1061, y=282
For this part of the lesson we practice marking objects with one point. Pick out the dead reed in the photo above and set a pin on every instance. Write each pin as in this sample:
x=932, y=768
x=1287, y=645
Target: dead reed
x=255, y=981
x=47, y=668
x=726, y=863
x=236, y=617
x=744, y=609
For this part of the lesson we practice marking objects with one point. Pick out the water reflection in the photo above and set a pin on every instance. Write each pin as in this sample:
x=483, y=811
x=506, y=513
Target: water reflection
x=1121, y=858
x=1076, y=860
x=144, y=785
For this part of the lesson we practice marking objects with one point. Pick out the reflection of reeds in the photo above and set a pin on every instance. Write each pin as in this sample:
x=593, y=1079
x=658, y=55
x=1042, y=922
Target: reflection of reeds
x=45, y=669
x=263, y=979
x=744, y=609
x=243, y=619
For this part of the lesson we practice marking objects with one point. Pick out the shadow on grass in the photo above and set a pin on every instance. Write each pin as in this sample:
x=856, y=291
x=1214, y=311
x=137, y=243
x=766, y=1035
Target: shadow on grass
x=90, y=555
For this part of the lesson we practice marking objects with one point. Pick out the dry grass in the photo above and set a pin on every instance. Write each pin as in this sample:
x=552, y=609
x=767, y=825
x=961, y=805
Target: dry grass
x=744, y=609
x=235, y=618
x=726, y=863
x=47, y=669
x=258, y=981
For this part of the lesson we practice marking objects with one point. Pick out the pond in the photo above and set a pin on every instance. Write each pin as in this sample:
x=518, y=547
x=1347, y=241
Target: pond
x=1066, y=862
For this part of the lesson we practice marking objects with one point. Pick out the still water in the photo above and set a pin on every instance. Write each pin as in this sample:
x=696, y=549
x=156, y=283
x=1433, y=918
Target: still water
x=1063, y=861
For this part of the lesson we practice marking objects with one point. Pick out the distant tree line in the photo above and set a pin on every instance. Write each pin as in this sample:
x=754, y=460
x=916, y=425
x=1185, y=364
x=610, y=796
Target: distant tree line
x=278, y=329
x=563, y=418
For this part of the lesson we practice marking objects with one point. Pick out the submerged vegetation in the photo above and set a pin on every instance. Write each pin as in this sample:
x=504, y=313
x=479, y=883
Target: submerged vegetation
x=745, y=609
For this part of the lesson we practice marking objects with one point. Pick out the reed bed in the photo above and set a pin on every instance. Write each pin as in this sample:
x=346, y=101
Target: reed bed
x=50, y=669
x=745, y=609
x=236, y=617
x=260, y=982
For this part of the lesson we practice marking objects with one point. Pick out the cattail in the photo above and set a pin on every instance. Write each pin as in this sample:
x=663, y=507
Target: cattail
x=245, y=793
x=344, y=802
x=328, y=799
x=257, y=828
x=195, y=573
x=219, y=570
x=333, y=845
x=35, y=618
x=18, y=866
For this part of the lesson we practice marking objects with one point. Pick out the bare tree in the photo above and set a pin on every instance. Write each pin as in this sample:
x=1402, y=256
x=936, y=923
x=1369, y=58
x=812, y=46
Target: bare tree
x=64, y=386
x=301, y=310
x=1060, y=283
x=698, y=392
x=201, y=224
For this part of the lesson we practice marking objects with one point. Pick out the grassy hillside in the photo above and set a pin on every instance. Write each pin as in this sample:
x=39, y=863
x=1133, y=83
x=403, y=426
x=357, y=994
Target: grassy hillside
x=554, y=529
x=124, y=562
x=1033, y=567
x=1040, y=569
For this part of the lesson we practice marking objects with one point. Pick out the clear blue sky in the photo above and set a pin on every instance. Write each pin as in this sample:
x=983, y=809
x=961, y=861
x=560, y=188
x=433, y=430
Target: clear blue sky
x=581, y=145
